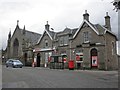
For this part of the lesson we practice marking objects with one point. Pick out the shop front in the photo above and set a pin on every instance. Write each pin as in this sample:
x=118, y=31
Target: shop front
x=42, y=57
x=79, y=60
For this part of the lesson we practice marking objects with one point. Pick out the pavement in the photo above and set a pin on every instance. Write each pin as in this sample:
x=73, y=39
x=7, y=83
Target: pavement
x=115, y=72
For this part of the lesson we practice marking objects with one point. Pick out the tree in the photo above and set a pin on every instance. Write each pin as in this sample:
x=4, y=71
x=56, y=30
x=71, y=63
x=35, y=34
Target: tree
x=116, y=4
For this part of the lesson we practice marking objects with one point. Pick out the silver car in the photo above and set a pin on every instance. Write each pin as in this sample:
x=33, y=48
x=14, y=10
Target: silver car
x=14, y=63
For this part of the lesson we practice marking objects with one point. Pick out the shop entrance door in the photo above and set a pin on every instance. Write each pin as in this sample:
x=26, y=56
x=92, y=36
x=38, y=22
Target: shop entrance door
x=38, y=60
x=94, y=58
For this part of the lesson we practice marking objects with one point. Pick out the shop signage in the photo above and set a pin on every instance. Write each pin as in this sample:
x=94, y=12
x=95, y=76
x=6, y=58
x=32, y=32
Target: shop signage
x=94, y=60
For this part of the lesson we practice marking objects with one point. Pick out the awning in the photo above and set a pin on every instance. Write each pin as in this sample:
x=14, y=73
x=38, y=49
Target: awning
x=46, y=49
x=36, y=50
x=42, y=49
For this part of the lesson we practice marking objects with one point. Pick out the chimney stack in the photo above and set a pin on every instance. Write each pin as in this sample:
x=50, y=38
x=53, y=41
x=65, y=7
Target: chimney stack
x=86, y=16
x=107, y=21
x=47, y=26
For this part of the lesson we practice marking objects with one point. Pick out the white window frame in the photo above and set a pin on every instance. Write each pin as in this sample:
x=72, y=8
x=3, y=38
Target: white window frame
x=86, y=37
x=61, y=41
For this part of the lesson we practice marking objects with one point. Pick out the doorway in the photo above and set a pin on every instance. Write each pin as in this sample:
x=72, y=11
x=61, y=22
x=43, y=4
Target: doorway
x=38, y=60
x=94, y=58
x=25, y=59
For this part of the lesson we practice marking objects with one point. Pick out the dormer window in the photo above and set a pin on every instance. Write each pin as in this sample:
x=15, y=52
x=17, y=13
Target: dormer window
x=86, y=37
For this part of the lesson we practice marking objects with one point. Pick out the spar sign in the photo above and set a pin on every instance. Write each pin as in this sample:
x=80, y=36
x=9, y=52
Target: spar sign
x=94, y=61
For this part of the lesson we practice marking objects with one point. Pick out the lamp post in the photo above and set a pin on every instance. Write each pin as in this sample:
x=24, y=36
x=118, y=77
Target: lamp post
x=71, y=62
x=70, y=49
x=52, y=39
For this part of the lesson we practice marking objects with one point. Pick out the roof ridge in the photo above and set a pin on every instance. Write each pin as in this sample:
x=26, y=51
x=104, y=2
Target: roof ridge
x=31, y=32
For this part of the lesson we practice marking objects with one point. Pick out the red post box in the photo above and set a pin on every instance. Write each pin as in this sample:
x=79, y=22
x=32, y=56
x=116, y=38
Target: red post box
x=71, y=65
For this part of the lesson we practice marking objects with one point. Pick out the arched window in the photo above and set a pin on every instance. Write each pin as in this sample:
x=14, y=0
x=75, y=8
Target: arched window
x=15, y=47
x=94, y=52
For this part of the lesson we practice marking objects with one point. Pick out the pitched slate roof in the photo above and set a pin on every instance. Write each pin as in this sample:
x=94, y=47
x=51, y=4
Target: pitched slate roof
x=97, y=28
x=29, y=36
x=74, y=31
x=67, y=31
x=64, y=32
x=32, y=37
x=51, y=34
x=102, y=30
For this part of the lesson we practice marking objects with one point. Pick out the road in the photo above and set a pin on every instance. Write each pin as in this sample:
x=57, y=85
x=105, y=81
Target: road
x=29, y=77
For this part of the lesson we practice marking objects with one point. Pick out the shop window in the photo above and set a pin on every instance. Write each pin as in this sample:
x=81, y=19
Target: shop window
x=64, y=58
x=81, y=59
x=79, y=56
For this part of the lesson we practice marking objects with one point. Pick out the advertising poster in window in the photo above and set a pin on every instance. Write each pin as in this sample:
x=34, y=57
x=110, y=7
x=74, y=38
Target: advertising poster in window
x=79, y=57
x=94, y=61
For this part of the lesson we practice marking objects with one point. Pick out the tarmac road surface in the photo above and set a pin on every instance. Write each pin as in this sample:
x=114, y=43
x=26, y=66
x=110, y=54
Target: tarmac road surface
x=29, y=77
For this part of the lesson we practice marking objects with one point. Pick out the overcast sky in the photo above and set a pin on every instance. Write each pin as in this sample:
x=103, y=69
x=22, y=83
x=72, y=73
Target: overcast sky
x=59, y=13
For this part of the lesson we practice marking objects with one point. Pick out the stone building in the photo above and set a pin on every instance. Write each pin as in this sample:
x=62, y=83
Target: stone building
x=95, y=44
x=20, y=44
x=44, y=48
x=91, y=46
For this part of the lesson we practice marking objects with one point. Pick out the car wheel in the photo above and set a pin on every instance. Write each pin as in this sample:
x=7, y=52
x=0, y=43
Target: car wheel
x=6, y=66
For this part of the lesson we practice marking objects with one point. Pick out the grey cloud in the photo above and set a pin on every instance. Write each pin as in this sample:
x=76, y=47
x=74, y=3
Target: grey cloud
x=68, y=13
x=12, y=7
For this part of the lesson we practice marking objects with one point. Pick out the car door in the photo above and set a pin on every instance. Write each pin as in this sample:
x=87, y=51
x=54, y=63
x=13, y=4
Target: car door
x=10, y=63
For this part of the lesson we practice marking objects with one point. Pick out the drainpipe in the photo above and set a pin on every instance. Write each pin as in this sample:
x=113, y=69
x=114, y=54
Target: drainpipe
x=106, y=65
x=70, y=49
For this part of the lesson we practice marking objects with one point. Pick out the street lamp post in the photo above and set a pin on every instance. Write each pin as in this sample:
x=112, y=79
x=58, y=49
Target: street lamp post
x=70, y=49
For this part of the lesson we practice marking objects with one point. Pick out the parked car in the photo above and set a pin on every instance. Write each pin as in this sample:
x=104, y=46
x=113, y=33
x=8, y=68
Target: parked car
x=14, y=63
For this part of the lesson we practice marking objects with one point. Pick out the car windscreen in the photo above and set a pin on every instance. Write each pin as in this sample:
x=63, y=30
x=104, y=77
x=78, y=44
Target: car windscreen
x=17, y=61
